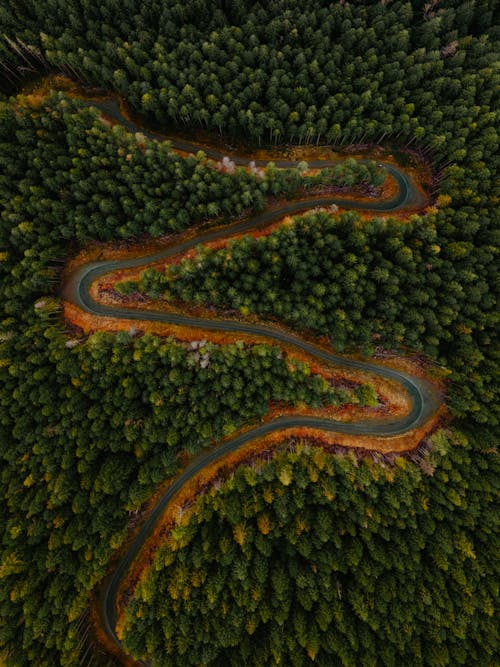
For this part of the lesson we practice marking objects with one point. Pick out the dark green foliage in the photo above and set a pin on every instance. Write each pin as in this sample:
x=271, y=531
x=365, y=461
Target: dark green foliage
x=314, y=556
x=89, y=427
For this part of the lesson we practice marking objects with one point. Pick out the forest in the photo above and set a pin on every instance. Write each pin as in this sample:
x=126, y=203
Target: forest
x=309, y=555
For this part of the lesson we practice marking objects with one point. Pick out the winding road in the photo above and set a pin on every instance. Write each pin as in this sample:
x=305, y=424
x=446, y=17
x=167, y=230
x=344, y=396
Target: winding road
x=76, y=289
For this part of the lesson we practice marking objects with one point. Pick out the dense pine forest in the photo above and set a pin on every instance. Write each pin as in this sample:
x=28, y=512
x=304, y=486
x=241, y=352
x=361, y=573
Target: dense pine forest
x=309, y=555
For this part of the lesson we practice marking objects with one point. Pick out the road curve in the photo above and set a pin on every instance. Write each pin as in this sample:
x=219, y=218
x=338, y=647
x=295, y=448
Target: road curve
x=424, y=399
